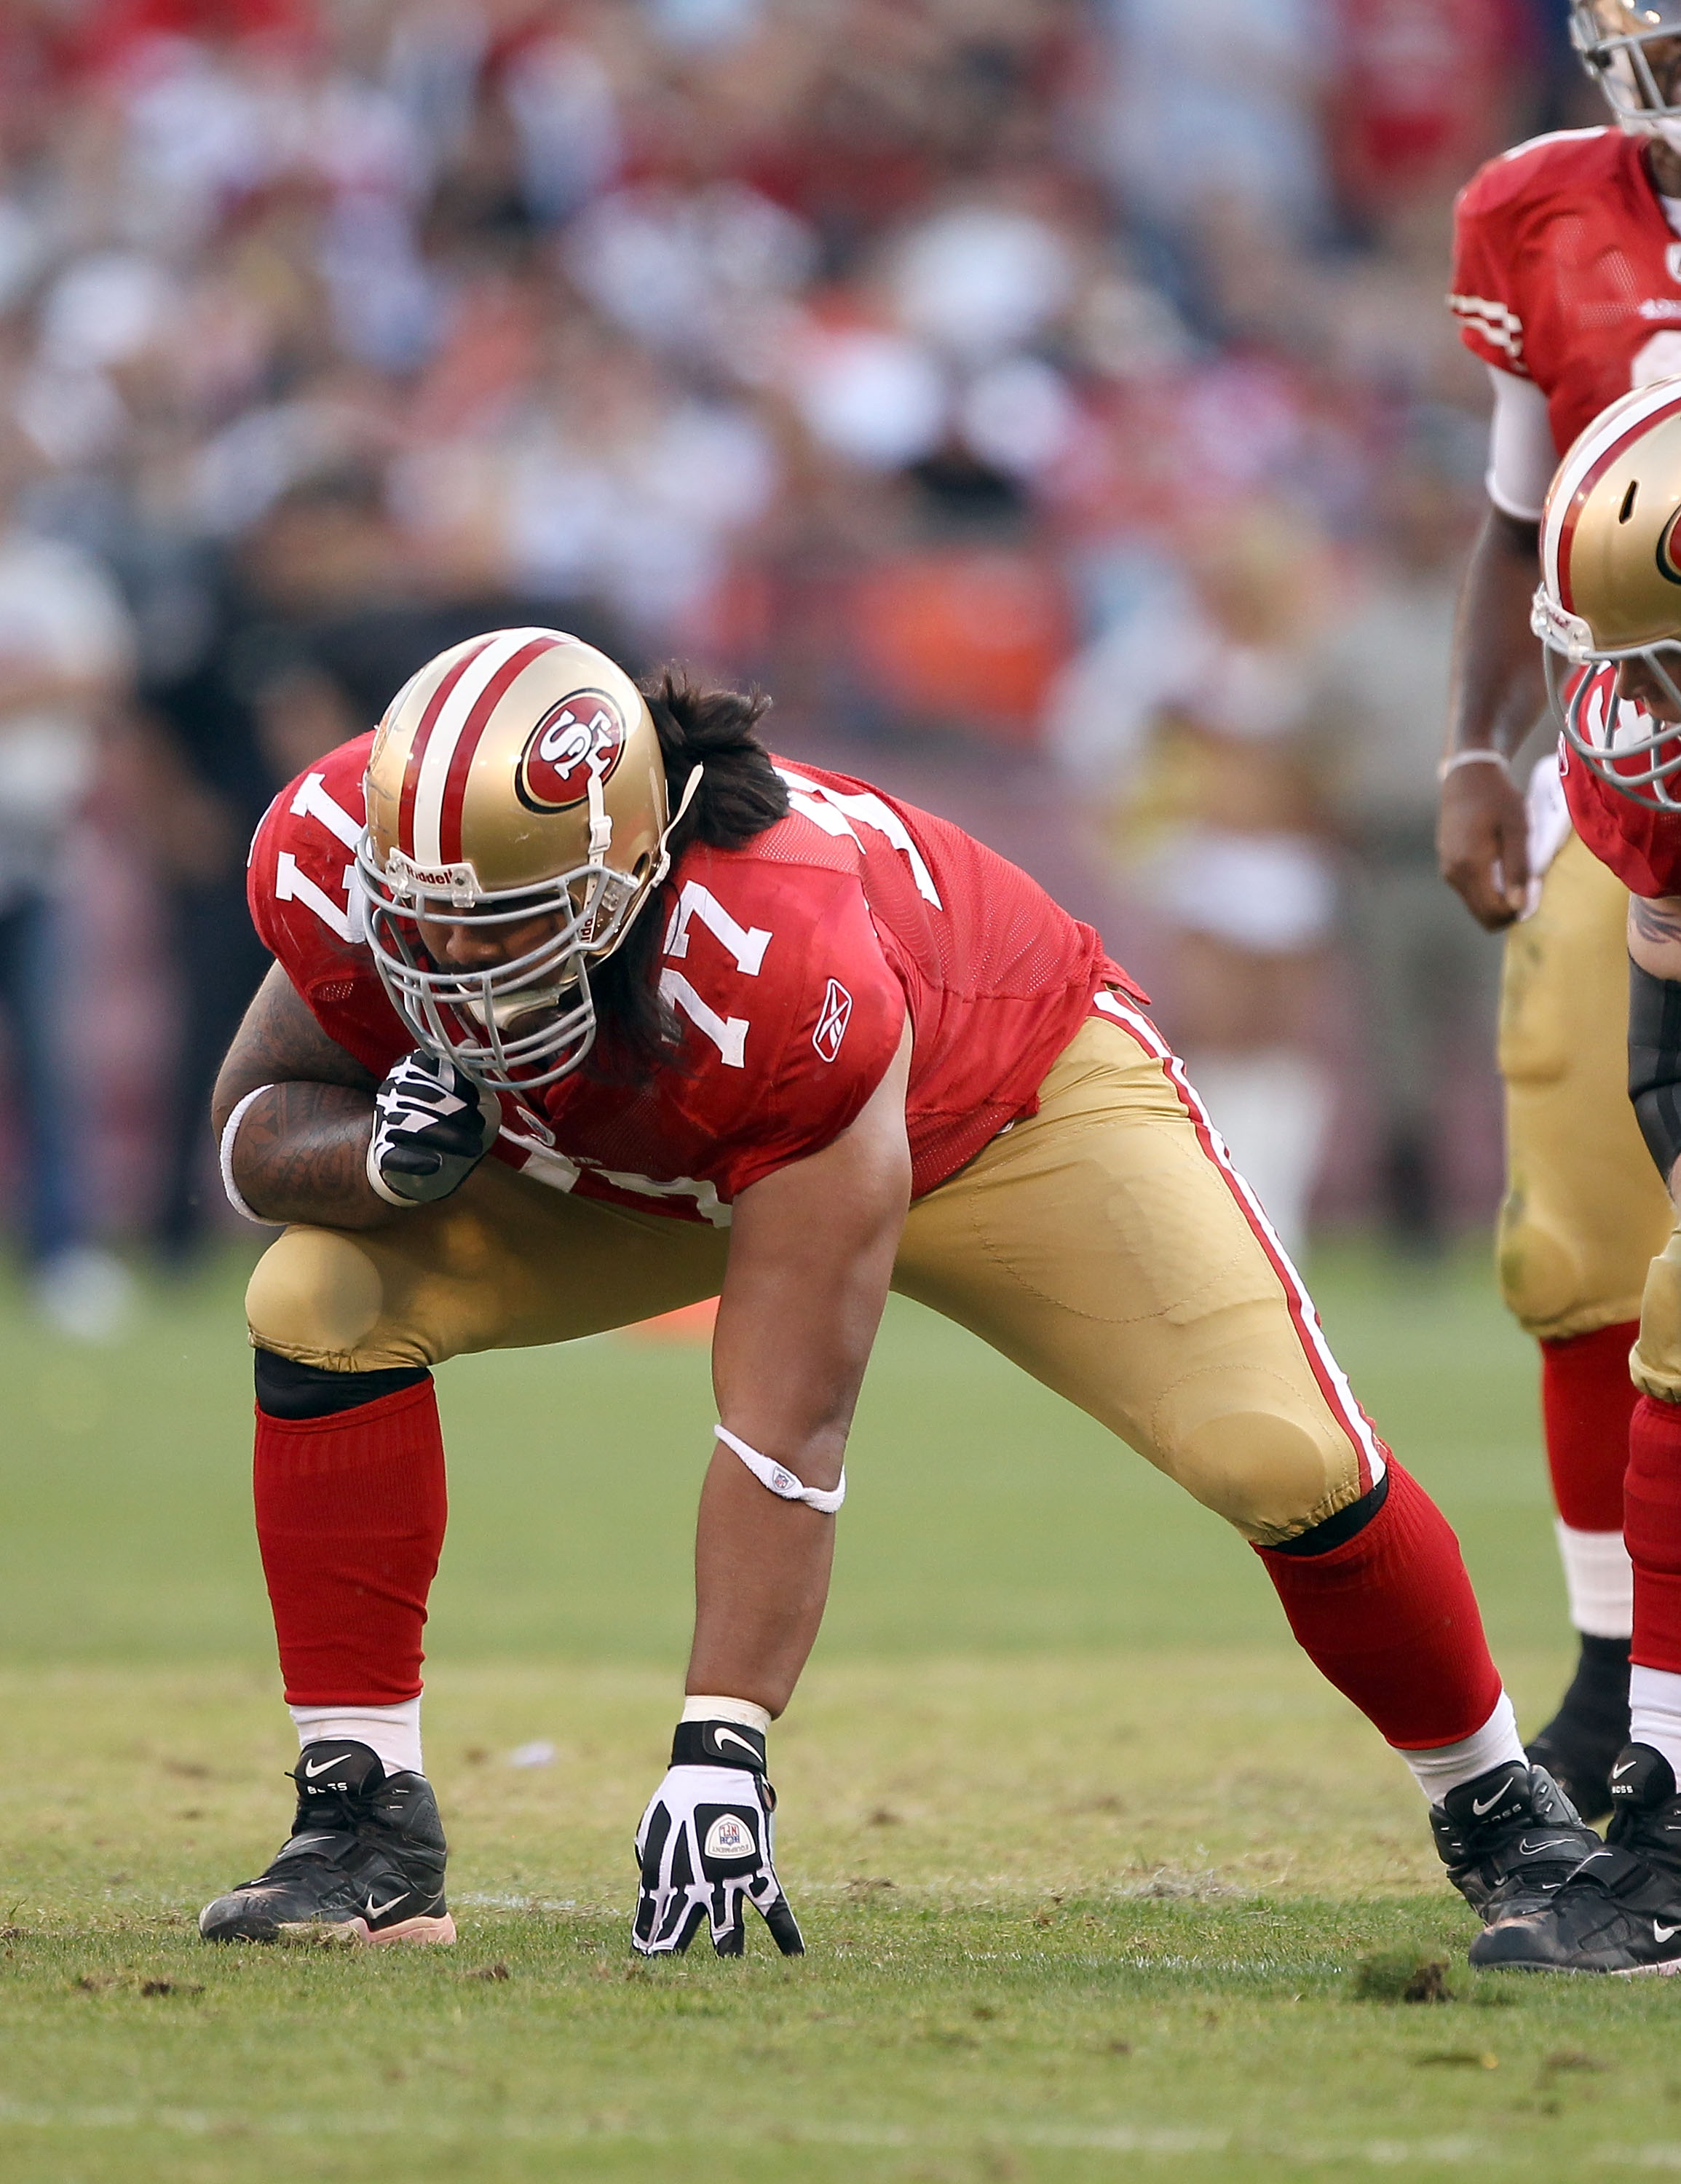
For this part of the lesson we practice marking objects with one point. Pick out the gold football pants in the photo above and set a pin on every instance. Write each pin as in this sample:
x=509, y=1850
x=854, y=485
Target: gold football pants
x=1102, y=1243
x=1584, y=1209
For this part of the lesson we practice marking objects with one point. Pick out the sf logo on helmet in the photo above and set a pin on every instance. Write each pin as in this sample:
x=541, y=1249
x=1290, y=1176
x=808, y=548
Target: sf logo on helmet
x=581, y=736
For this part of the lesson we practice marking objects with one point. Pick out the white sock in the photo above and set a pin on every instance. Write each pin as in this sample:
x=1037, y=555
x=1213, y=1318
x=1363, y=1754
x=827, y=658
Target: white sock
x=1655, y=1711
x=1600, y=1580
x=393, y=1732
x=1447, y=1765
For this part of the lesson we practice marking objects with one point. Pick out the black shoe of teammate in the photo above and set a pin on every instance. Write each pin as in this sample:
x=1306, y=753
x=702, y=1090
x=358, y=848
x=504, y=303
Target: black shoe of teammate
x=1509, y=1839
x=364, y=1863
x=1580, y=1744
x=1619, y=1911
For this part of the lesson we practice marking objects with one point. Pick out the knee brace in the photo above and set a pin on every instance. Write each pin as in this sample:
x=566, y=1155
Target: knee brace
x=286, y=1390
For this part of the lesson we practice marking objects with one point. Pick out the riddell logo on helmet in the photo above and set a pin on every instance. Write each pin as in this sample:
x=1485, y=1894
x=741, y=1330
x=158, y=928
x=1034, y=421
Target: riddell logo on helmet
x=581, y=739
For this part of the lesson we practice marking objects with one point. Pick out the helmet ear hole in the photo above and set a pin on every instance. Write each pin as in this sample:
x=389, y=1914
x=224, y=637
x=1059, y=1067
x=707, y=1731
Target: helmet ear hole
x=1629, y=499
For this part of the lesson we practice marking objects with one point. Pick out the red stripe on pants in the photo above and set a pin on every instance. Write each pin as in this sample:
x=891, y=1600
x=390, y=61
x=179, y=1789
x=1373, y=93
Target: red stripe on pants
x=1389, y=1618
x=350, y=1519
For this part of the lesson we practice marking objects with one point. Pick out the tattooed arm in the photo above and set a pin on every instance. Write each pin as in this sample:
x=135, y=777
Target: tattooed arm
x=301, y=1149
x=1655, y=934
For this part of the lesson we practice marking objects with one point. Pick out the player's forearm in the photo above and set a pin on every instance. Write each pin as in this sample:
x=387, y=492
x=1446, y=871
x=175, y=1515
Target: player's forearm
x=761, y=1578
x=301, y=1153
x=1499, y=685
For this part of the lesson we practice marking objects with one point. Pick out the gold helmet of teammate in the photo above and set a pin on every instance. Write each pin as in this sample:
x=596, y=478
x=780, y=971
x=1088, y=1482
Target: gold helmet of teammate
x=516, y=778
x=1611, y=591
x=1632, y=49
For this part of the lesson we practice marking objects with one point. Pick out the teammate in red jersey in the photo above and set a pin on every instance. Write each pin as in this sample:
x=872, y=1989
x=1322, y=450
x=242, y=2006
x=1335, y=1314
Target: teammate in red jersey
x=585, y=1008
x=1568, y=285
x=1610, y=607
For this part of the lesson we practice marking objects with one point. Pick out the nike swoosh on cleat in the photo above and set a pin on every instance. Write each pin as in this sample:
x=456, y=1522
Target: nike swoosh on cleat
x=378, y=1910
x=1664, y=1933
x=1627, y=1768
x=719, y=1735
x=312, y=1770
x=1528, y=1849
x=1489, y=1804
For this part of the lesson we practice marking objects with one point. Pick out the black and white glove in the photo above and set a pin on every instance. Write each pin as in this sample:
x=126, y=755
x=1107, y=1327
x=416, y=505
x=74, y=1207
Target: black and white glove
x=705, y=1847
x=432, y=1126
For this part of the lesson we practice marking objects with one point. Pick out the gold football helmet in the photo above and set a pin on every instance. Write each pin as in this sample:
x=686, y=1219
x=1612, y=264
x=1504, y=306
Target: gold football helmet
x=516, y=777
x=1611, y=588
x=1629, y=48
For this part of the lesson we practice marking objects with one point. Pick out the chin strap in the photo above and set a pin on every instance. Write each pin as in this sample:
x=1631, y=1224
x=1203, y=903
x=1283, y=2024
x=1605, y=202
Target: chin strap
x=780, y=1480
x=663, y=860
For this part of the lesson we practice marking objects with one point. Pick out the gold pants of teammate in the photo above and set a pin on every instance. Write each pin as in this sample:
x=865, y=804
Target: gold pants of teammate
x=1585, y=1210
x=1102, y=1244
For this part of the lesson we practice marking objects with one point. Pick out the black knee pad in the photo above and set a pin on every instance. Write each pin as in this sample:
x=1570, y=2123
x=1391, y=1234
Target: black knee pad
x=1336, y=1531
x=289, y=1390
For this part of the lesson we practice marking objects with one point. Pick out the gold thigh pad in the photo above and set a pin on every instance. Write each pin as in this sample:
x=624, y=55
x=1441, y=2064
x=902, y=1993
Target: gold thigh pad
x=1584, y=1208
x=1099, y=1244
x=502, y=1263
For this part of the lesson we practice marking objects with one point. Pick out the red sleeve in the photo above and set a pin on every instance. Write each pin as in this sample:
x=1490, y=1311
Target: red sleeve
x=307, y=913
x=840, y=1031
x=1641, y=844
x=1485, y=296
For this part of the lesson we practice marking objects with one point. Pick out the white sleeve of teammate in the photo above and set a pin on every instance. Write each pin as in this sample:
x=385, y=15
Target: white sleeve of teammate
x=1521, y=457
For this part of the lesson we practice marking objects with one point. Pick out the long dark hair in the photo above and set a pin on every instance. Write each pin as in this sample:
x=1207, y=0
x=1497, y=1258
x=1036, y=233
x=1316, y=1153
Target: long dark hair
x=741, y=794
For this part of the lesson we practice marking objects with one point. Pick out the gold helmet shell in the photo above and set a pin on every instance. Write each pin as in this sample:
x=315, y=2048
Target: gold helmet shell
x=517, y=778
x=1611, y=586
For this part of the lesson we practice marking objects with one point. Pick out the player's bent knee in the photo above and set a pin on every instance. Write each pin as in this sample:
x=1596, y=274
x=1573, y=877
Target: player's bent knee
x=317, y=1297
x=1255, y=1454
x=1539, y=1272
x=1655, y=1364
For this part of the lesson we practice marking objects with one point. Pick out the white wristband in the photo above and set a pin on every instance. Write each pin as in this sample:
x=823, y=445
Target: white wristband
x=1478, y=757
x=745, y=1710
x=230, y=1132
x=780, y=1480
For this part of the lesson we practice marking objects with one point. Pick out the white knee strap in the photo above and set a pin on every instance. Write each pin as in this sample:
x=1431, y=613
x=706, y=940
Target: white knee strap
x=781, y=1481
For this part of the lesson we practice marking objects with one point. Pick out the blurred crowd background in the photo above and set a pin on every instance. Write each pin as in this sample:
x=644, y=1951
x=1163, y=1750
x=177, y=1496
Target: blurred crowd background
x=1050, y=402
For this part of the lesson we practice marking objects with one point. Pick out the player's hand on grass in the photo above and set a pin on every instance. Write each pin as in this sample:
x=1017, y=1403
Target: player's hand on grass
x=704, y=1847
x=432, y=1126
x=1482, y=842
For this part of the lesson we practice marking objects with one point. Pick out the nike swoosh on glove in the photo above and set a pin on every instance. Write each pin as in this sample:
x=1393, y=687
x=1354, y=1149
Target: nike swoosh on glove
x=432, y=1126
x=705, y=1852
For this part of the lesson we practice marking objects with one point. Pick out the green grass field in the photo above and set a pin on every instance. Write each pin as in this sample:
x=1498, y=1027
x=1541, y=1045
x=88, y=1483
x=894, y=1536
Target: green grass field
x=1098, y=1881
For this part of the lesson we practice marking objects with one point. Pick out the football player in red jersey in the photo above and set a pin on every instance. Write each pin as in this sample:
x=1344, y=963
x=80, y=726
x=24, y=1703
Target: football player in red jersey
x=1568, y=285
x=584, y=1008
x=1610, y=610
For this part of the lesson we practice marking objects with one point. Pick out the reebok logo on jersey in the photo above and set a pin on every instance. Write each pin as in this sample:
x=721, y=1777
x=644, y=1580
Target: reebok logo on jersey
x=833, y=1019
x=729, y=1836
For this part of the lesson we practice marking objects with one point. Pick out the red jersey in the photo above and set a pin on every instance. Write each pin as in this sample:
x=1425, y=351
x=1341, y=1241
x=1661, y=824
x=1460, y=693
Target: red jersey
x=1567, y=272
x=791, y=964
x=1641, y=844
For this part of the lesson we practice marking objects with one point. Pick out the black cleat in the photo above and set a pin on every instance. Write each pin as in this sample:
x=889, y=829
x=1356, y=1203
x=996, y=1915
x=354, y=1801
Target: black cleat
x=1619, y=1911
x=1580, y=1744
x=364, y=1863
x=1509, y=1839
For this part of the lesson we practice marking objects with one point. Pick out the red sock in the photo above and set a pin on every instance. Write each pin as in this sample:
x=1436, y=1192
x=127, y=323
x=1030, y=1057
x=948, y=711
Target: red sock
x=1389, y=1618
x=1587, y=1399
x=1651, y=1523
x=350, y=1516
